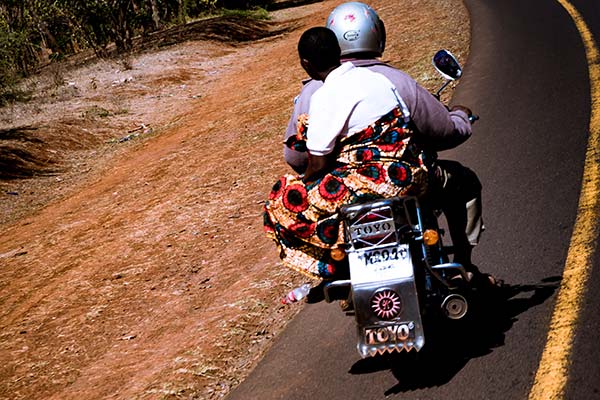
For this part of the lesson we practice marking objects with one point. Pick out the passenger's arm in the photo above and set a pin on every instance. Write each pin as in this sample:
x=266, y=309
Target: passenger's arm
x=296, y=159
x=318, y=166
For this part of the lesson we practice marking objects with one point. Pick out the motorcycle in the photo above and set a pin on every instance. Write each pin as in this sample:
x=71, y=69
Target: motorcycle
x=398, y=266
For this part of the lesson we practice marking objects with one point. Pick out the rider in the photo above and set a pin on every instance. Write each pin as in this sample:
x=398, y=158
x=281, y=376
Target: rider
x=359, y=140
x=361, y=36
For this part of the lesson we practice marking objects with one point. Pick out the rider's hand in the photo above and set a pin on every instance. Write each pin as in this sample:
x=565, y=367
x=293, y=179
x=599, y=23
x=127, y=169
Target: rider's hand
x=462, y=108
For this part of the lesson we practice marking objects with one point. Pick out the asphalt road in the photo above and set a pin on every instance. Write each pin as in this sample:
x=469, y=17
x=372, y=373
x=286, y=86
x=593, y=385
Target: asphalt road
x=527, y=78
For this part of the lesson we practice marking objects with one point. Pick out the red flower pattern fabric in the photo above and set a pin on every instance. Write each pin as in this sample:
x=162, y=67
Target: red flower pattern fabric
x=380, y=161
x=295, y=198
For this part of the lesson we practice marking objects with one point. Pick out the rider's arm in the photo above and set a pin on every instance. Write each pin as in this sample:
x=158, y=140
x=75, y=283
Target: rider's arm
x=438, y=128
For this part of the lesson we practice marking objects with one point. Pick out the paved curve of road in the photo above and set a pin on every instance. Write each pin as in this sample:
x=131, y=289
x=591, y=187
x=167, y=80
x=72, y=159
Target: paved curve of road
x=527, y=77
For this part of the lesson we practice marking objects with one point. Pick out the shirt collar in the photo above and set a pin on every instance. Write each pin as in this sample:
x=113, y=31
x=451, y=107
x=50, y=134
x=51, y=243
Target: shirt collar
x=363, y=62
x=339, y=71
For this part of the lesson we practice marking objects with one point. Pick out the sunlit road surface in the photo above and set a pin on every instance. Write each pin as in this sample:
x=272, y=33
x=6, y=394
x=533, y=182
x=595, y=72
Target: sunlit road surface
x=534, y=149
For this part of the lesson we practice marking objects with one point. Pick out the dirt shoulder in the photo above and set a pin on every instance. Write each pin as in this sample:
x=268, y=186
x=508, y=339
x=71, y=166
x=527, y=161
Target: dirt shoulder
x=136, y=267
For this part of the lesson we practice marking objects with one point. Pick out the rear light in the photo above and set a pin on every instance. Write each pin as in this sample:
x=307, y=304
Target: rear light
x=337, y=254
x=430, y=237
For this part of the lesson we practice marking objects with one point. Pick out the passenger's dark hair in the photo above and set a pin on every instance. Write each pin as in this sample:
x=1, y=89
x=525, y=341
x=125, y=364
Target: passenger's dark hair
x=320, y=47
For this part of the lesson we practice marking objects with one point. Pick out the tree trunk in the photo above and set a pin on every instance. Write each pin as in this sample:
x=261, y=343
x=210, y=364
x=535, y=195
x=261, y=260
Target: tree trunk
x=121, y=27
x=181, y=11
x=155, y=14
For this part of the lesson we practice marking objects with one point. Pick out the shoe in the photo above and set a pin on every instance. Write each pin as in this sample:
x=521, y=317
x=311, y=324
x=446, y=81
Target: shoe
x=486, y=281
x=346, y=305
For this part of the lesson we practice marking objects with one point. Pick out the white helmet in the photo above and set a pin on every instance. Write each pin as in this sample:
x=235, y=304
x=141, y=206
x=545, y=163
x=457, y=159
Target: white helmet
x=358, y=29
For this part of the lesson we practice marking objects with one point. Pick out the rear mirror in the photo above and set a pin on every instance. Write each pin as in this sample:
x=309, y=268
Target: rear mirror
x=447, y=65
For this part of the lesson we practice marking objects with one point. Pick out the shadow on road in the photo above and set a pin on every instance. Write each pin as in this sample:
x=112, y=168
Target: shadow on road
x=451, y=344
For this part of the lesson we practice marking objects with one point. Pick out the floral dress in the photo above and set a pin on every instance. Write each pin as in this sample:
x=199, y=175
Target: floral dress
x=380, y=161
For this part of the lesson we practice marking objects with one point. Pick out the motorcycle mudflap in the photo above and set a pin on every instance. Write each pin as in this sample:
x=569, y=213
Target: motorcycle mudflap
x=385, y=301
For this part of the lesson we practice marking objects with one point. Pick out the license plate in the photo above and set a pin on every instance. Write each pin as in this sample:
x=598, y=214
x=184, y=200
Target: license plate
x=387, y=259
x=389, y=334
x=390, y=262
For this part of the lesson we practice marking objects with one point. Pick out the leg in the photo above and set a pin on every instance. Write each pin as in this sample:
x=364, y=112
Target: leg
x=460, y=196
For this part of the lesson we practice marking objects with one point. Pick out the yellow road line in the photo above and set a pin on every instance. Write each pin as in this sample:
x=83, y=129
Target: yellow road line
x=551, y=378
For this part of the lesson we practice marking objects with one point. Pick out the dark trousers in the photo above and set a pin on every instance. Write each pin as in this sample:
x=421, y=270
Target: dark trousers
x=456, y=190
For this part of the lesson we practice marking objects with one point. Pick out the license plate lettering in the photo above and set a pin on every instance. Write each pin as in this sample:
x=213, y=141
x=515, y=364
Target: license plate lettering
x=390, y=333
x=384, y=255
x=379, y=256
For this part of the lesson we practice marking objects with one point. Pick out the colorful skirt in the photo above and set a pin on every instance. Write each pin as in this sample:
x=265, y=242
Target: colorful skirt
x=379, y=162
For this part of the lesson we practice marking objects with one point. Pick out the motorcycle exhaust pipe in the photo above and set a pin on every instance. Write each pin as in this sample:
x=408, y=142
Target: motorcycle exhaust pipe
x=455, y=306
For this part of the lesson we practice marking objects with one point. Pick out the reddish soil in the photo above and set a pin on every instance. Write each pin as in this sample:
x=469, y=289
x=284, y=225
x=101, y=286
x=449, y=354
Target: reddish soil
x=133, y=263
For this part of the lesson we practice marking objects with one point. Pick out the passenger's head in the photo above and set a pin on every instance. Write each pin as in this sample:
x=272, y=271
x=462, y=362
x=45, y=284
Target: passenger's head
x=359, y=30
x=319, y=52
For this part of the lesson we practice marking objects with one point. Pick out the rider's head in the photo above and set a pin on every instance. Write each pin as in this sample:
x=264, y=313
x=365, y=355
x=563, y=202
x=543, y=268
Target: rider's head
x=319, y=52
x=359, y=30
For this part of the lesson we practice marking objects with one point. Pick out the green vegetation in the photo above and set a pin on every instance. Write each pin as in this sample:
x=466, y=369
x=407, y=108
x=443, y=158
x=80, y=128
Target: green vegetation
x=34, y=33
x=255, y=13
